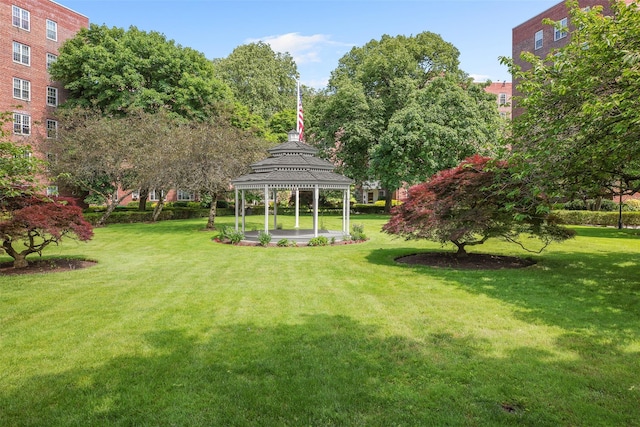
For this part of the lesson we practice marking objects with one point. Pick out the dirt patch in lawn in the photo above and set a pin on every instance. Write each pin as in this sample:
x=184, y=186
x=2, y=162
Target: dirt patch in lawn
x=50, y=265
x=471, y=262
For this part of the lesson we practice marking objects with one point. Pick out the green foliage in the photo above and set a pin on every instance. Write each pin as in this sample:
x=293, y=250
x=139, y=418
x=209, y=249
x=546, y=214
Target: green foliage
x=398, y=110
x=357, y=232
x=260, y=78
x=18, y=167
x=598, y=218
x=229, y=234
x=264, y=238
x=318, y=241
x=578, y=134
x=119, y=71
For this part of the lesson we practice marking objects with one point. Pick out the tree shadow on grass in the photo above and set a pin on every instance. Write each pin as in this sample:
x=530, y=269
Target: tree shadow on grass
x=327, y=370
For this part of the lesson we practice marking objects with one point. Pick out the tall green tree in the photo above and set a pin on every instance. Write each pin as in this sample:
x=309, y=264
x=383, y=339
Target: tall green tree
x=260, y=78
x=399, y=109
x=119, y=70
x=579, y=131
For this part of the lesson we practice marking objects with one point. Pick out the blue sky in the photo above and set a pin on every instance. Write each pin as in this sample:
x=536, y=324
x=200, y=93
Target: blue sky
x=318, y=33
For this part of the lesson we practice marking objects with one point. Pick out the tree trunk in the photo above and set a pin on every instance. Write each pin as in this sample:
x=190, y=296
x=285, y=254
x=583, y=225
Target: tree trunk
x=462, y=252
x=388, y=199
x=211, y=223
x=20, y=261
x=158, y=208
x=110, y=208
x=142, y=203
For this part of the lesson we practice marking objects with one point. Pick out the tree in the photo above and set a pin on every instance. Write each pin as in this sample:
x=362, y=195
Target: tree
x=260, y=78
x=35, y=222
x=119, y=71
x=579, y=128
x=95, y=153
x=472, y=202
x=212, y=153
x=18, y=167
x=395, y=107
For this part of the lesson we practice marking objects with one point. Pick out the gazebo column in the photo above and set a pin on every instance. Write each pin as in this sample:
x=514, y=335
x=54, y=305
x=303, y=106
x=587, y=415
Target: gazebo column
x=345, y=229
x=297, y=208
x=236, y=209
x=275, y=209
x=266, y=208
x=244, y=210
x=316, y=198
x=348, y=210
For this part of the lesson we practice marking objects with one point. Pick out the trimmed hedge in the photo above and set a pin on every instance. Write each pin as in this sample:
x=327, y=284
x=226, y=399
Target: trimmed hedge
x=131, y=216
x=598, y=218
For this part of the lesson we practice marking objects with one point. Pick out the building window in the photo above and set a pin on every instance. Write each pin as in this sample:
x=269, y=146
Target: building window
x=154, y=195
x=21, y=18
x=52, y=30
x=52, y=190
x=52, y=96
x=538, y=40
x=51, y=58
x=561, y=33
x=21, y=124
x=502, y=99
x=186, y=196
x=21, y=89
x=52, y=128
x=21, y=53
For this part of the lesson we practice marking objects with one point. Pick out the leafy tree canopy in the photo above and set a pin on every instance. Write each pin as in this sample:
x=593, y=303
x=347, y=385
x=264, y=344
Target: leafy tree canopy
x=580, y=122
x=260, y=78
x=119, y=70
x=398, y=109
x=472, y=202
x=18, y=168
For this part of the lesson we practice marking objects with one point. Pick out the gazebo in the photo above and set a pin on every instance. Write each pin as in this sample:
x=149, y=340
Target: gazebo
x=292, y=165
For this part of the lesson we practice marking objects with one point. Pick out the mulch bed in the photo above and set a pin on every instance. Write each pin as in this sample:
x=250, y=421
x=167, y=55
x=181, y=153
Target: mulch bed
x=51, y=265
x=471, y=262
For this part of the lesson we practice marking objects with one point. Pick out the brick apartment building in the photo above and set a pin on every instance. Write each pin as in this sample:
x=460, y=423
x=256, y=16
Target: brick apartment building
x=534, y=36
x=31, y=32
x=502, y=92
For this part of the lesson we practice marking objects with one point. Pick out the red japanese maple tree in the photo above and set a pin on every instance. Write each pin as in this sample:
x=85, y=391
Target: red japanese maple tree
x=30, y=223
x=472, y=202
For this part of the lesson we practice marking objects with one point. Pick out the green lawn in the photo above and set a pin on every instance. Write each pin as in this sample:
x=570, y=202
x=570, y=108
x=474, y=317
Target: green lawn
x=170, y=328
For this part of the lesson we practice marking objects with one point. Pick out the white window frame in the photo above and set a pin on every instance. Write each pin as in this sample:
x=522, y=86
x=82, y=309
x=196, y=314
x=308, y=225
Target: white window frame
x=502, y=99
x=539, y=37
x=51, y=58
x=560, y=33
x=21, y=18
x=153, y=196
x=21, y=124
x=21, y=53
x=21, y=89
x=186, y=196
x=52, y=30
x=52, y=128
x=52, y=96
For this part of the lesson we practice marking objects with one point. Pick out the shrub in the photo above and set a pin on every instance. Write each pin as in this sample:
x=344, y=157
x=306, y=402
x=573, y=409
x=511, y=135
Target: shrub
x=264, y=238
x=632, y=205
x=229, y=234
x=357, y=232
x=283, y=243
x=318, y=241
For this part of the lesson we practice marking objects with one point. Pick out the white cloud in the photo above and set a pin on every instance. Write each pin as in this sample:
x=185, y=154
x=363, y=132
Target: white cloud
x=303, y=49
x=479, y=78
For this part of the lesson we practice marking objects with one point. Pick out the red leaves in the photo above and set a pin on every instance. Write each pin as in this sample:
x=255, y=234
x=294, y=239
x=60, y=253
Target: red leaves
x=478, y=199
x=38, y=221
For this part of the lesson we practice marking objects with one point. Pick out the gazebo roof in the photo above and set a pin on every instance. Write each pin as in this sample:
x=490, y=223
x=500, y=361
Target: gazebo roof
x=292, y=164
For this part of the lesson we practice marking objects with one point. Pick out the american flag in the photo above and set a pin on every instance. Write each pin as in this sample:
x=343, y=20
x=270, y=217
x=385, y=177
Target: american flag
x=300, y=123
